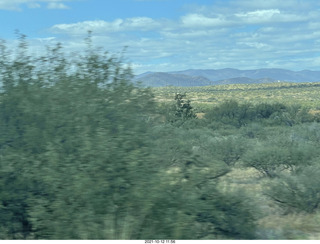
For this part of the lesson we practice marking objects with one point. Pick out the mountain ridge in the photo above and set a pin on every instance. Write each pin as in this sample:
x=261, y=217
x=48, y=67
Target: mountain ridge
x=202, y=77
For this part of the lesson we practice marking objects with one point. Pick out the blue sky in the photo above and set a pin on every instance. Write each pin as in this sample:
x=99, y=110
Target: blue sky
x=170, y=35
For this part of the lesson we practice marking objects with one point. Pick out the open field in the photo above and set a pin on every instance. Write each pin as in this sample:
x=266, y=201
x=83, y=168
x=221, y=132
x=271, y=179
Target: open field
x=304, y=94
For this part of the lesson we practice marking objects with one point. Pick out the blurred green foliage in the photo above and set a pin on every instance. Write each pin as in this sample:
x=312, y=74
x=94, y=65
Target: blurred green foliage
x=87, y=154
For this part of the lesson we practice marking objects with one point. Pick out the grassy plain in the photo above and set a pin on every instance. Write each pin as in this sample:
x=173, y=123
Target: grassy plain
x=304, y=94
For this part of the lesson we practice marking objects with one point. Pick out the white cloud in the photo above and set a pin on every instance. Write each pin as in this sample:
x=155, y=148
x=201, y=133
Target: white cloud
x=258, y=16
x=55, y=5
x=16, y=5
x=9, y=5
x=269, y=16
x=192, y=33
x=313, y=25
x=288, y=5
x=101, y=26
x=199, y=20
x=141, y=23
x=33, y=5
x=256, y=45
x=46, y=39
x=232, y=19
x=81, y=28
x=241, y=34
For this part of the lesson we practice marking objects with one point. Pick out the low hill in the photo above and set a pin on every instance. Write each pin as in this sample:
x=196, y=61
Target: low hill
x=275, y=74
x=243, y=80
x=200, y=77
x=159, y=79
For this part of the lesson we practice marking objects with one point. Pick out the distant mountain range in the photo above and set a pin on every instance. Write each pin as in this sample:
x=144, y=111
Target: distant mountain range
x=201, y=77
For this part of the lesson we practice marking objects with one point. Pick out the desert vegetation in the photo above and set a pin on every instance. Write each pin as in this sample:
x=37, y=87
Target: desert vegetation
x=300, y=94
x=87, y=154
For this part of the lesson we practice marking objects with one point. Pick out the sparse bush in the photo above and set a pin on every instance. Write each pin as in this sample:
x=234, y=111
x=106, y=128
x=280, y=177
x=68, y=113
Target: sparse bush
x=279, y=149
x=230, y=112
x=298, y=192
x=265, y=110
x=268, y=159
x=307, y=133
x=232, y=217
x=291, y=115
x=254, y=130
x=228, y=149
x=272, y=158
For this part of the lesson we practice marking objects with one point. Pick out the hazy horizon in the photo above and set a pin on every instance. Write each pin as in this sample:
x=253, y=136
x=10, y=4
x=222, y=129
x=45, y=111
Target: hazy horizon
x=150, y=71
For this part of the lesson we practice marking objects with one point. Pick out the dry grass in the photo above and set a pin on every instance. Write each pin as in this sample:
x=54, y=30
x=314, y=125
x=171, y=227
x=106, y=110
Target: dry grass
x=314, y=111
x=305, y=94
x=294, y=226
x=200, y=115
x=274, y=223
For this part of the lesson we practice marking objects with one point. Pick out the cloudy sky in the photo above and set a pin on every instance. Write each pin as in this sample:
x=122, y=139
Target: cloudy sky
x=171, y=35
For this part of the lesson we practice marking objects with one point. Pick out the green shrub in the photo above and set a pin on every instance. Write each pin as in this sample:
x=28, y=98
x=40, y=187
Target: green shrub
x=179, y=112
x=229, y=112
x=291, y=115
x=268, y=159
x=299, y=192
x=232, y=113
x=278, y=154
x=232, y=215
x=265, y=110
x=254, y=130
x=228, y=149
